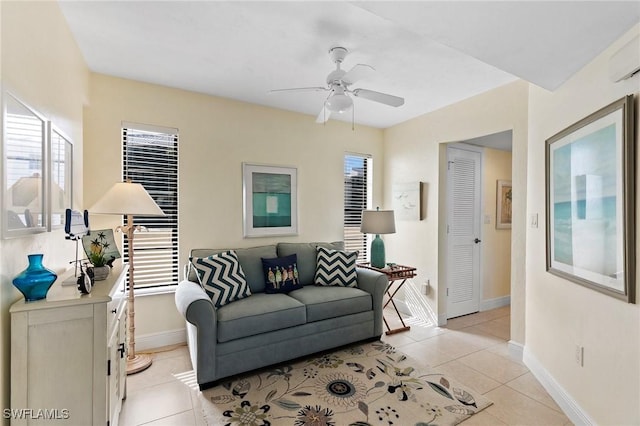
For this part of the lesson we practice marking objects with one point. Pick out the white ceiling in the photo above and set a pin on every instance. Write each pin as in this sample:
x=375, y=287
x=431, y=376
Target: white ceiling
x=501, y=140
x=431, y=53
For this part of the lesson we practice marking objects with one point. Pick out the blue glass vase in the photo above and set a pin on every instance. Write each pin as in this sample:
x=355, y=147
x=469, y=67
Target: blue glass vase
x=35, y=281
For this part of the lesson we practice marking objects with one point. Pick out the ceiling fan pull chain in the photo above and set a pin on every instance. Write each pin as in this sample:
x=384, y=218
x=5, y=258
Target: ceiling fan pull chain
x=324, y=113
x=353, y=118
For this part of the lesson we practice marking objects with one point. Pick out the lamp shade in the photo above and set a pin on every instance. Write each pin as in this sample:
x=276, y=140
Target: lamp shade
x=127, y=198
x=378, y=222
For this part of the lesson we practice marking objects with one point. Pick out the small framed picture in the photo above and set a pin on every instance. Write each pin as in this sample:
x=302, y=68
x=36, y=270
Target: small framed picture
x=503, y=204
x=270, y=200
x=406, y=200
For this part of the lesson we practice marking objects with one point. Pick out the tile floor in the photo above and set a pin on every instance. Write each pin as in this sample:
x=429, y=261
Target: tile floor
x=472, y=348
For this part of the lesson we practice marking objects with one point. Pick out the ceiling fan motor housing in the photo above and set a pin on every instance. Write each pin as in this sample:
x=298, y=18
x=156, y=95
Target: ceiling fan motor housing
x=335, y=77
x=338, y=54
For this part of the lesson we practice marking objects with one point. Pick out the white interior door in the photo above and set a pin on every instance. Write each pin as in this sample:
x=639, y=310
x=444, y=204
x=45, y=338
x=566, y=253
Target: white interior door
x=463, y=231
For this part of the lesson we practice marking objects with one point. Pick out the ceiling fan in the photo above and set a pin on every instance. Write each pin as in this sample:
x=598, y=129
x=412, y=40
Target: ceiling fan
x=338, y=82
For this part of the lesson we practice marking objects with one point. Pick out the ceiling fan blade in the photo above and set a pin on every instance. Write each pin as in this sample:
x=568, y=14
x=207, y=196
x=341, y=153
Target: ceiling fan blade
x=323, y=117
x=358, y=72
x=383, y=98
x=301, y=89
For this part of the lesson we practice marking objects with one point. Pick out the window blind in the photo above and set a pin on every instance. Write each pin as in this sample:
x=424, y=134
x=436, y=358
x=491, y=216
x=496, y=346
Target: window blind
x=24, y=154
x=357, y=197
x=24, y=135
x=150, y=158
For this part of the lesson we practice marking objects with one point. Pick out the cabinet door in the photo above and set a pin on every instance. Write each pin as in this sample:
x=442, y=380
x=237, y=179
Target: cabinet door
x=55, y=349
x=113, y=376
x=118, y=366
x=122, y=354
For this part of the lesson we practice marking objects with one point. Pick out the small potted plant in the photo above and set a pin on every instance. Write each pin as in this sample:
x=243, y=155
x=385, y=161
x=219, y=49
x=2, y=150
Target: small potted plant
x=101, y=263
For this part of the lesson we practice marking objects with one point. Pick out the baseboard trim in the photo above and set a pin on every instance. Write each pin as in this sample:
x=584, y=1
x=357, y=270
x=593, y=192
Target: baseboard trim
x=498, y=302
x=516, y=350
x=570, y=407
x=442, y=320
x=157, y=340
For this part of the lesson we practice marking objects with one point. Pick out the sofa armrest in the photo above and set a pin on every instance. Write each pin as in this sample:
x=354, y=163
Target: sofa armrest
x=376, y=284
x=196, y=307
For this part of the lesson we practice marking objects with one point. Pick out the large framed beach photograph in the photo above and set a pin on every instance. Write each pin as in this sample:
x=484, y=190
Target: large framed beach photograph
x=590, y=189
x=270, y=200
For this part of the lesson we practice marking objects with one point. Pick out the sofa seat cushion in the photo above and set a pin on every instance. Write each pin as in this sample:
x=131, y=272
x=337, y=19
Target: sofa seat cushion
x=330, y=302
x=259, y=313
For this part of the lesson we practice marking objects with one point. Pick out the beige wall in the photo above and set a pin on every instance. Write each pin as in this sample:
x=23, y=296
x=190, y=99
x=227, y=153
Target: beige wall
x=42, y=66
x=560, y=313
x=216, y=136
x=414, y=152
x=496, y=243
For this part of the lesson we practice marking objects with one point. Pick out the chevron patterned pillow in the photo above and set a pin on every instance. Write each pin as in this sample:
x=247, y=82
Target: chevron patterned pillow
x=335, y=267
x=222, y=277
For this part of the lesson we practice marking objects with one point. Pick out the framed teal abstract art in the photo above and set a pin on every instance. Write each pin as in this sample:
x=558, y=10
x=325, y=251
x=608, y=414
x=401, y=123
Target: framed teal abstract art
x=590, y=188
x=270, y=200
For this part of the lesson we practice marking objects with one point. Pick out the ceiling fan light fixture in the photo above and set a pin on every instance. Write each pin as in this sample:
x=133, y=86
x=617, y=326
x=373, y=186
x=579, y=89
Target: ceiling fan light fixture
x=339, y=103
x=338, y=85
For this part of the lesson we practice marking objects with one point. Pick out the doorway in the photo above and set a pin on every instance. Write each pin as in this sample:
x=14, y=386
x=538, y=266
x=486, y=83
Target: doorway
x=476, y=247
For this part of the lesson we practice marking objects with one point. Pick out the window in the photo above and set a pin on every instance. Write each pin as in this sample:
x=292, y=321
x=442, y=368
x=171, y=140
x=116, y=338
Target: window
x=23, y=148
x=357, y=197
x=150, y=158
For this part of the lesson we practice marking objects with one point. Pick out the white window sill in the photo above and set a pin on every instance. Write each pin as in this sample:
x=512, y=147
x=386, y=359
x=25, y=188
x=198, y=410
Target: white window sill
x=170, y=289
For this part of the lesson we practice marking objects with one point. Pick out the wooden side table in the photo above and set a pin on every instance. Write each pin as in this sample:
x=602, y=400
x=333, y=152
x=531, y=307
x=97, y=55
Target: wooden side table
x=395, y=273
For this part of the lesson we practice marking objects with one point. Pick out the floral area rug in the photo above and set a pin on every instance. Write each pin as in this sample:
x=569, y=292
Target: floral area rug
x=367, y=384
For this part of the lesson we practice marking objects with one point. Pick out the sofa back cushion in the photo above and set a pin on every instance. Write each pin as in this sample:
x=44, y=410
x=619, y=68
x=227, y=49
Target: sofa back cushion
x=306, y=257
x=250, y=260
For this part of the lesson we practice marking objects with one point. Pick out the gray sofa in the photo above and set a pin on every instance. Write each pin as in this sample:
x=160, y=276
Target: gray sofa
x=265, y=329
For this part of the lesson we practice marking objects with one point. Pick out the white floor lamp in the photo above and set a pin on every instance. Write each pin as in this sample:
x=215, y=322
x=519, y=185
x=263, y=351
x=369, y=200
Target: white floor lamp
x=127, y=198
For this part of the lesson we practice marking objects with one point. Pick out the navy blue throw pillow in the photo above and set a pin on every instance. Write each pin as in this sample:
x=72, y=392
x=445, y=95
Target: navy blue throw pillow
x=281, y=274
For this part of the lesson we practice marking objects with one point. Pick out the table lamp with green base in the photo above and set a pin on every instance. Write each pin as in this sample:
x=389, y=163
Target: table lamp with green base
x=378, y=222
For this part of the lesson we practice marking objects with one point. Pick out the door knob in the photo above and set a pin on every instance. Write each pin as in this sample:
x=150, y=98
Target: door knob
x=477, y=240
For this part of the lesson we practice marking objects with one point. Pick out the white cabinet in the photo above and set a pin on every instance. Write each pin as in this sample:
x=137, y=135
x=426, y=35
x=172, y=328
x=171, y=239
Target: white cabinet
x=68, y=361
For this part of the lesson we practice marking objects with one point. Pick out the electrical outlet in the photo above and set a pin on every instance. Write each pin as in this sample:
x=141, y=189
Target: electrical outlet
x=425, y=287
x=487, y=219
x=580, y=355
